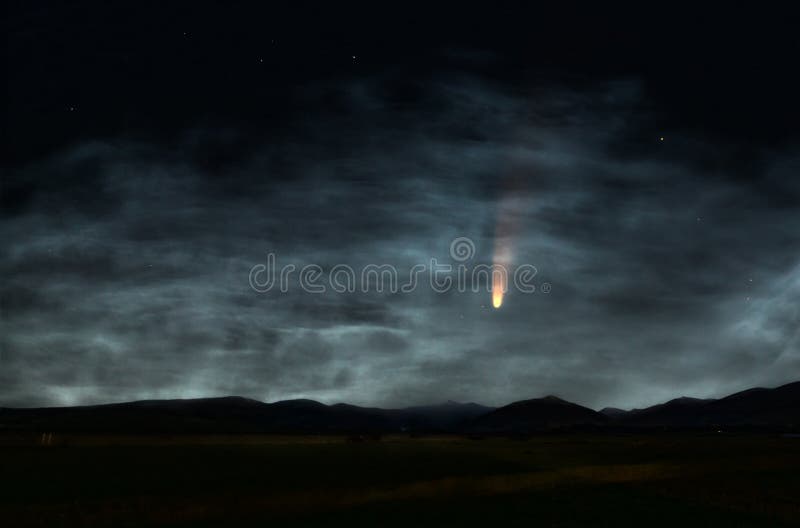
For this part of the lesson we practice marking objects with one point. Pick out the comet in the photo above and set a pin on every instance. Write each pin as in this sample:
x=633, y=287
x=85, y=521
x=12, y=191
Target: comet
x=509, y=208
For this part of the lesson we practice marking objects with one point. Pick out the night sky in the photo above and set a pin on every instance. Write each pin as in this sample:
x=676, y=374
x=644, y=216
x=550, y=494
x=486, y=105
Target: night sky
x=645, y=162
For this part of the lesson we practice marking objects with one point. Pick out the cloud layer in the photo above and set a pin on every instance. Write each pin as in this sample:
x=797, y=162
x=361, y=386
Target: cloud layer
x=673, y=263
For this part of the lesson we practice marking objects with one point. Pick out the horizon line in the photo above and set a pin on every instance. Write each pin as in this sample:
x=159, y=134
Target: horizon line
x=440, y=403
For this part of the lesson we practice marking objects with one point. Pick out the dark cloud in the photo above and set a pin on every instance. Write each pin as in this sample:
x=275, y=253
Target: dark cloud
x=673, y=263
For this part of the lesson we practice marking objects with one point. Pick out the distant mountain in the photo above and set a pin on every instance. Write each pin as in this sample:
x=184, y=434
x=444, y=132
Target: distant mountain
x=238, y=415
x=759, y=408
x=764, y=409
x=612, y=412
x=664, y=413
x=538, y=414
x=442, y=417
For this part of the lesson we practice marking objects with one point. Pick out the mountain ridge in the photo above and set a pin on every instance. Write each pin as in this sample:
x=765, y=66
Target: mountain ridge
x=758, y=408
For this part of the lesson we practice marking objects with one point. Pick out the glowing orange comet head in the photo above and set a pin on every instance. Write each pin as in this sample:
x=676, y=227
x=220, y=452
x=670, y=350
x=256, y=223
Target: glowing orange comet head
x=502, y=257
x=497, y=298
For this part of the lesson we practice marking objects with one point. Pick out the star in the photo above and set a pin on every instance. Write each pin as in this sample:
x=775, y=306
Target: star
x=661, y=138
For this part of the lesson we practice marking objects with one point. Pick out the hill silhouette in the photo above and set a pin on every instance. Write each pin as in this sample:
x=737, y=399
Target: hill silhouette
x=758, y=408
x=537, y=414
x=777, y=408
x=238, y=415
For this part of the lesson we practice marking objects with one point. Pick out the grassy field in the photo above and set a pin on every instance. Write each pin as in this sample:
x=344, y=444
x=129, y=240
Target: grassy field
x=569, y=480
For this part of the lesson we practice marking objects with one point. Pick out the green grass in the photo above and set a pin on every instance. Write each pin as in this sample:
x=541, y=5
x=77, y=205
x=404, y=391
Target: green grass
x=570, y=480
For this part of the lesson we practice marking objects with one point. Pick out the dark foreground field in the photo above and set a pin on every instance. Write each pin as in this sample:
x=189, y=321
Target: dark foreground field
x=571, y=480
